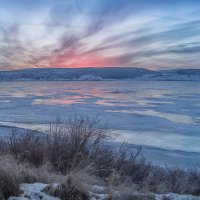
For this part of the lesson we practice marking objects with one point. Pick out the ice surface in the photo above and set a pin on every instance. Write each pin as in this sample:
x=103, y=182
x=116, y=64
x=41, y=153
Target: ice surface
x=159, y=114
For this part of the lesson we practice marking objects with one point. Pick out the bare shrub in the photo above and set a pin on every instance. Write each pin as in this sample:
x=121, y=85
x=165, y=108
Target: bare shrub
x=173, y=179
x=75, y=141
x=192, y=184
x=117, y=187
x=156, y=181
x=68, y=147
x=13, y=173
x=28, y=146
x=9, y=177
x=130, y=162
x=75, y=185
x=120, y=187
x=176, y=179
x=43, y=173
x=126, y=161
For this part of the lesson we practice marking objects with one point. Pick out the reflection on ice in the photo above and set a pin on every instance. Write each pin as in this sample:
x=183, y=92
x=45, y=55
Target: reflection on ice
x=60, y=101
x=160, y=114
x=169, y=116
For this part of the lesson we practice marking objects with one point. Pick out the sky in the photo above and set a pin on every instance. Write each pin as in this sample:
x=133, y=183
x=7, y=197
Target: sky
x=153, y=34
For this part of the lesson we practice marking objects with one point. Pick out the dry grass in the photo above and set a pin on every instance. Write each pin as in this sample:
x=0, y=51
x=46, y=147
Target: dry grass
x=13, y=173
x=132, y=196
x=9, y=177
x=173, y=179
x=75, y=154
x=75, y=185
x=80, y=142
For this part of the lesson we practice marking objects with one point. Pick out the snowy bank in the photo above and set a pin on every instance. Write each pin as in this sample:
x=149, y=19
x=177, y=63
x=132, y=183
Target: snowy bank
x=34, y=191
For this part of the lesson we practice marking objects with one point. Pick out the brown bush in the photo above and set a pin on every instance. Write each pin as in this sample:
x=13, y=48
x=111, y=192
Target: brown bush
x=77, y=142
x=9, y=177
x=72, y=145
x=75, y=185
x=13, y=173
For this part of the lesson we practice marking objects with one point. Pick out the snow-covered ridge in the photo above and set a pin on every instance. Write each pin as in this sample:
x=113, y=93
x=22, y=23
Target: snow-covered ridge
x=98, y=74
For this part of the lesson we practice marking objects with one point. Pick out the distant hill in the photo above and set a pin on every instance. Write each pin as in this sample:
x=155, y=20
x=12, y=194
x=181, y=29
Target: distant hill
x=110, y=73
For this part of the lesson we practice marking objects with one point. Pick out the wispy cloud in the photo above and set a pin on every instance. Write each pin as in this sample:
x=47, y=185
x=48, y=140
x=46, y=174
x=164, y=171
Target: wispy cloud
x=89, y=33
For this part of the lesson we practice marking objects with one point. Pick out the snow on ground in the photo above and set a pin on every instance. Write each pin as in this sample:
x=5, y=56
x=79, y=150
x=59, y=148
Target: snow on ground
x=34, y=192
x=172, y=196
x=97, y=192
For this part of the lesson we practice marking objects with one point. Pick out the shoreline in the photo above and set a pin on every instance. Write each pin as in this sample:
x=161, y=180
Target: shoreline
x=155, y=155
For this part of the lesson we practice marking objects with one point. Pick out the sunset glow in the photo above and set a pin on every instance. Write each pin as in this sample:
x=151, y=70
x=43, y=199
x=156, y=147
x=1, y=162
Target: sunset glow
x=153, y=34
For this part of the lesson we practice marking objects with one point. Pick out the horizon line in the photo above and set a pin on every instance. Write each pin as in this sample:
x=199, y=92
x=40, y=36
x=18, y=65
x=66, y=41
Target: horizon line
x=59, y=68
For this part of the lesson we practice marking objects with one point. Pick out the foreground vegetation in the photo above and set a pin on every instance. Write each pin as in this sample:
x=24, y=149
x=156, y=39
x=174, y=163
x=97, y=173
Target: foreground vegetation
x=76, y=155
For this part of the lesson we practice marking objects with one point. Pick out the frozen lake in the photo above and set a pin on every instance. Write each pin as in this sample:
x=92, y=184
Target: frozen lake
x=159, y=114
